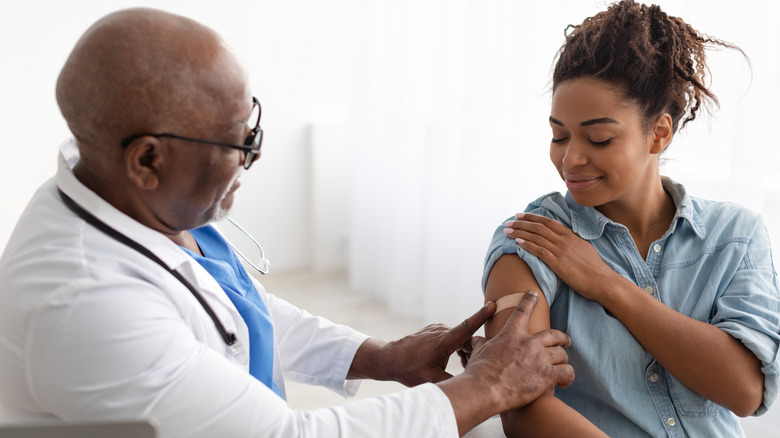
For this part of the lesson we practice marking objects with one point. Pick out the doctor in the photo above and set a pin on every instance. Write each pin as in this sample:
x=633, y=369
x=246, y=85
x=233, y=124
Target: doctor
x=119, y=302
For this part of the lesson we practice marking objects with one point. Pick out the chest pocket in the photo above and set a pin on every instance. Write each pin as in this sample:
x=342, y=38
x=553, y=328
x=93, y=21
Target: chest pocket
x=688, y=403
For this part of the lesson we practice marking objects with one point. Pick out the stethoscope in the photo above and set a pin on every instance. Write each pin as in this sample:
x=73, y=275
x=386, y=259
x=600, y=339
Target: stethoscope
x=230, y=338
x=262, y=263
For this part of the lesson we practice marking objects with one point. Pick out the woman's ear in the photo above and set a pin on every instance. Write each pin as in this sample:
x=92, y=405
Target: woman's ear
x=143, y=159
x=662, y=133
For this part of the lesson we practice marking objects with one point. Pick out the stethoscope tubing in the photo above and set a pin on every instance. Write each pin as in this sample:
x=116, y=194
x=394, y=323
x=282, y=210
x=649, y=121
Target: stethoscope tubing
x=229, y=337
x=263, y=268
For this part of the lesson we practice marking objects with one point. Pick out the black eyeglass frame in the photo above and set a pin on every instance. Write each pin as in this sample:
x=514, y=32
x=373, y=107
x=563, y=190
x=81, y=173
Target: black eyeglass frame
x=251, y=146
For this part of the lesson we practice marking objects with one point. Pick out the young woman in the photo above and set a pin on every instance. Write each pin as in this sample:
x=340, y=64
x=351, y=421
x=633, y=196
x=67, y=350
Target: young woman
x=671, y=301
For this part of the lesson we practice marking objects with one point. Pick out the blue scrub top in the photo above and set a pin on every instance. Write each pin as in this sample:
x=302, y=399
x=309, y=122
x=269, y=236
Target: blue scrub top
x=222, y=263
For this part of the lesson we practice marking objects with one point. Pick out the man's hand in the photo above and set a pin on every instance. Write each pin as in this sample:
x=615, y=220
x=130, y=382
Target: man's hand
x=507, y=372
x=510, y=370
x=418, y=358
x=520, y=366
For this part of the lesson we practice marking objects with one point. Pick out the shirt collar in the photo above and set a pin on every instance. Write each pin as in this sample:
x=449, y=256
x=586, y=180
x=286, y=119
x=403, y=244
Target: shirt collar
x=90, y=201
x=589, y=223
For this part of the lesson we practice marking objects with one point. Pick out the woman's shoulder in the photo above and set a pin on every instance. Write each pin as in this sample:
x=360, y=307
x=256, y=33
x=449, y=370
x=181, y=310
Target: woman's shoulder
x=712, y=214
x=554, y=205
x=551, y=197
x=710, y=210
x=727, y=219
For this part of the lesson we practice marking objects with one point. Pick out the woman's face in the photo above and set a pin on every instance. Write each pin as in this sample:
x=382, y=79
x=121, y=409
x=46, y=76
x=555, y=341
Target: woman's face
x=598, y=144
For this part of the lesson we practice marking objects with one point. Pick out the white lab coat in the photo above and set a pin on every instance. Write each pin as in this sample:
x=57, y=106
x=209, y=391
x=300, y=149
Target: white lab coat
x=91, y=330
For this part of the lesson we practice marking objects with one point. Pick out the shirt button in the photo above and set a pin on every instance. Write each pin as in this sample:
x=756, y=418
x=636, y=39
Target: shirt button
x=654, y=378
x=671, y=422
x=656, y=248
x=649, y=289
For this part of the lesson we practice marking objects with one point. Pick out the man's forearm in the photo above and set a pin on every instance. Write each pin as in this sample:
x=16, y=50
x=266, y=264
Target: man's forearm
x=473, y=401
x=369, y=363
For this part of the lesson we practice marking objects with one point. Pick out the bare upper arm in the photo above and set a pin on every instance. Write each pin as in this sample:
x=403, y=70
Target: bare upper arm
x=546, y=416
x=509, y=275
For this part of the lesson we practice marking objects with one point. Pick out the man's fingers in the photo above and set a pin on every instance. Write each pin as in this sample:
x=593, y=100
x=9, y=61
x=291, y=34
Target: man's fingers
x=553, y=337
x=518, y=320
x=558, y=355
x=563, y=375
x=464, y=358
x=461, y=333
x=466, y=347
x=477, y=342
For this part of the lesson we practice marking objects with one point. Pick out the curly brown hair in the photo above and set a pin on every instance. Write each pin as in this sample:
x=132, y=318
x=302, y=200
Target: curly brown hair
x=655, y=59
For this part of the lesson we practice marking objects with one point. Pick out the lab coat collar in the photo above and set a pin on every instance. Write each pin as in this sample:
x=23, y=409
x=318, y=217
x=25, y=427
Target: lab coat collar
x=164, y=248
x=158, y=243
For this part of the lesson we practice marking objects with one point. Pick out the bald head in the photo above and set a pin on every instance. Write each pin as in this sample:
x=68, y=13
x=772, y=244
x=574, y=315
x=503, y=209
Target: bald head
x=143, y=70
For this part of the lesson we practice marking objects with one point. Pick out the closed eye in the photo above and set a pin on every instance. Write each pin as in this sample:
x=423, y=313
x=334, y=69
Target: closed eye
x=600, y=143
x=559, y=140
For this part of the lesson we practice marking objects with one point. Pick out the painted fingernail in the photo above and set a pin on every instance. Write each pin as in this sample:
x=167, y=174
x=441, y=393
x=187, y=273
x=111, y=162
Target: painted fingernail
x=520, y=241
x=520, y=215
x=509, y=223
x=507, y=230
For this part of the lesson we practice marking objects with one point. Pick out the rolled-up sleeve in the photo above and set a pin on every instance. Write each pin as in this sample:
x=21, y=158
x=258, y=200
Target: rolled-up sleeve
x=501, y=244
x=749, y=310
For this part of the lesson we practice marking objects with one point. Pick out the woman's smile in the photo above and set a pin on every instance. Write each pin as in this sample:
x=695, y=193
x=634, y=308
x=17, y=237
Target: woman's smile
x=577, y=183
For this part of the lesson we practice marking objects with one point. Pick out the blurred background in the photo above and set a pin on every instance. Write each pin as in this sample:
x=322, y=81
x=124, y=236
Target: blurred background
x=399, y=135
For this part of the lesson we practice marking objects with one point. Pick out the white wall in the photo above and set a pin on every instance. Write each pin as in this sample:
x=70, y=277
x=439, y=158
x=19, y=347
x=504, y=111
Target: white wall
x=453, y=134
x=300, y=70
x=349, y=67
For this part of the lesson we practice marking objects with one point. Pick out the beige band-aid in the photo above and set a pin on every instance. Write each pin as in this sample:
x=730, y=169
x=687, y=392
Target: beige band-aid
x=508, y=301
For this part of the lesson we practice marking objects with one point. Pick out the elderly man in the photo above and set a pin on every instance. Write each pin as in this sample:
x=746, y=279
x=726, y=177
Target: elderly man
x=119, y=302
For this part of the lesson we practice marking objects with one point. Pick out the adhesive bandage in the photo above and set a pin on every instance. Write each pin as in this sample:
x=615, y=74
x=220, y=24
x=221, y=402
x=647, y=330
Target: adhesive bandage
x=508, y=301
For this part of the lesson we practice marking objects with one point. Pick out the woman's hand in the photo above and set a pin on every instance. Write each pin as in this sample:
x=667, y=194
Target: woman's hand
x=573, y=259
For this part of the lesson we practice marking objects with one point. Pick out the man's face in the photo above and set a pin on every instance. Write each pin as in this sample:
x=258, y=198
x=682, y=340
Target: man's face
x=201, y=180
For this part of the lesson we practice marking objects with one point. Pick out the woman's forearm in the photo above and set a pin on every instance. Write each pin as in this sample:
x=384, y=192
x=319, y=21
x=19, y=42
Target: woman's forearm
x=700, y=355
x=548, y=417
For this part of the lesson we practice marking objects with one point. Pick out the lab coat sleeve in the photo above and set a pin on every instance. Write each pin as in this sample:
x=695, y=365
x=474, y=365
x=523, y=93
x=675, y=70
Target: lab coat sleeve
x=314, y=350
x=121, y=350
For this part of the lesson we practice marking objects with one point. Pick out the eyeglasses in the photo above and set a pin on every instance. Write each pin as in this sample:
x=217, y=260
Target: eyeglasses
x=251, y=146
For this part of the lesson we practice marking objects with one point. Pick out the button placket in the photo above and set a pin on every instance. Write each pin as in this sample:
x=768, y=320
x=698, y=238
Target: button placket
x=656, y=385
x=653, y=378
x=653, y=259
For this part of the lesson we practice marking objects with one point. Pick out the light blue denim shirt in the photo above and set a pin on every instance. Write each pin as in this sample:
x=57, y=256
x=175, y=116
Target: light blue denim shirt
x=714, y=264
